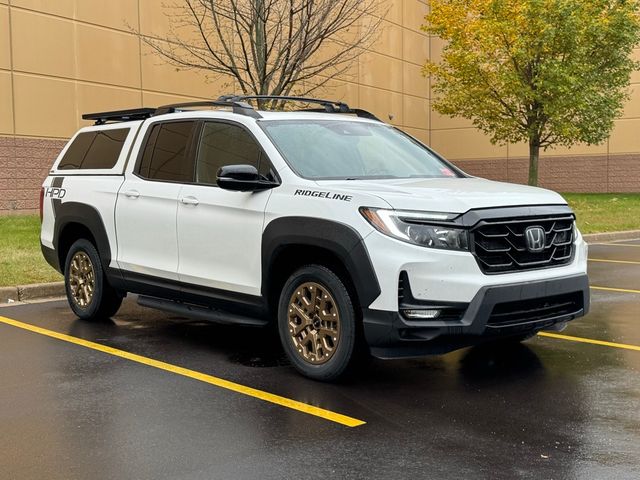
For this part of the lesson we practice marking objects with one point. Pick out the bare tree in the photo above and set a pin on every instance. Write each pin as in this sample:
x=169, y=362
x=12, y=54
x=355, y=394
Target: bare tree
x=269, y=47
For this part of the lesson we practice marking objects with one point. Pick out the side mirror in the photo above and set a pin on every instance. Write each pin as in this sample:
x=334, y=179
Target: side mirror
x=242, y=178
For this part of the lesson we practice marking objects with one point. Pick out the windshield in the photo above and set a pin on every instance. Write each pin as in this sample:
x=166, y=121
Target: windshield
x=334, y=149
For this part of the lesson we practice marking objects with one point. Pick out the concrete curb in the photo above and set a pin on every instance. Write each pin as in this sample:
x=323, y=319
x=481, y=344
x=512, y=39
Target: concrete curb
x=31, y=292
x=612, y=236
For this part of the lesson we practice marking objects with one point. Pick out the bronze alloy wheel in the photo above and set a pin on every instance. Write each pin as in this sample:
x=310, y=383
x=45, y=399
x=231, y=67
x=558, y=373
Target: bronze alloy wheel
x=82, y=282
x=314, y=323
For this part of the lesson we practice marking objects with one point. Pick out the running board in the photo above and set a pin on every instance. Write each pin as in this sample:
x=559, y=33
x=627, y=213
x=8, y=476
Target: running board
x=201, y=313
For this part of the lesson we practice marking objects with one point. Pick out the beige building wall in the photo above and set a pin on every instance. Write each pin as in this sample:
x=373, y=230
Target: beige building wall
x=62, y=58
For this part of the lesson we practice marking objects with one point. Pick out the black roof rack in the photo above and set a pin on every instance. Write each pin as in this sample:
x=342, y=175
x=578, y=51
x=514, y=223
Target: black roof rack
x=328, y=106
x=120, y=115
x=237, y=102
x=239, y=107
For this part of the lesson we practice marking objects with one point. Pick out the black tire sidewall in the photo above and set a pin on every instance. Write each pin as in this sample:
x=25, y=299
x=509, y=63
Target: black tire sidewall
x=93, y=309
x=343, y=356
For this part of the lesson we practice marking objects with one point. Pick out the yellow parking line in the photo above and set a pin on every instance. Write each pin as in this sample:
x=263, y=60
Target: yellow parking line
x=589, y=340
x=609, y=289
x=202, y=377
x=613, y=261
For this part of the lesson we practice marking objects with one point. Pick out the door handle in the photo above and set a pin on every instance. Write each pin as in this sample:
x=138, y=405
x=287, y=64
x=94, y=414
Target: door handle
x=132, y=194
x=189, y=200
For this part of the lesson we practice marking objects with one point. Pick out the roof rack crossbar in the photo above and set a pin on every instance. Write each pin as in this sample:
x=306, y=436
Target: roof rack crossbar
x=101, y=118
x=329, y=106
x=239, y=107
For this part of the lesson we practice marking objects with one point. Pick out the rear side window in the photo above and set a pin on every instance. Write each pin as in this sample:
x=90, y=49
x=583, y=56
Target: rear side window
x=94, y=150
x=166, y=154
x=223, y=144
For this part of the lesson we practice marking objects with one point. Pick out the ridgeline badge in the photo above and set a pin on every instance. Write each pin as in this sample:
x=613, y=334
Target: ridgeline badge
x=329, y=195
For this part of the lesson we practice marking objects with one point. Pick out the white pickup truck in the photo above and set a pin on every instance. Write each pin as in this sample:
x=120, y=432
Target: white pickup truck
x=348, y=233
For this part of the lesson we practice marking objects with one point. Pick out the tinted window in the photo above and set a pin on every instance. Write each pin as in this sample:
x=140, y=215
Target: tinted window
x=99, y=150
x=224, y=144
x=166, y=154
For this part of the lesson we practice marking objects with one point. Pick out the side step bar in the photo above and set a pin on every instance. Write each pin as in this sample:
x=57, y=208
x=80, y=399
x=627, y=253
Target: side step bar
x=201, y=313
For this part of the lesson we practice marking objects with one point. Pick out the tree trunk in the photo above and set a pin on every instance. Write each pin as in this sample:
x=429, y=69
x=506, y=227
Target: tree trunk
x=260, y=43
x=534, y=156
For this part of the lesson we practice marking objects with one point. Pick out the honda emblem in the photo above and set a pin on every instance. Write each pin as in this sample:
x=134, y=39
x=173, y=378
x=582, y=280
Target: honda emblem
x=535, y=237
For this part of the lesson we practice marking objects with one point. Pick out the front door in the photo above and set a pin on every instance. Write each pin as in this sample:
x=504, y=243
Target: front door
x=220, y=231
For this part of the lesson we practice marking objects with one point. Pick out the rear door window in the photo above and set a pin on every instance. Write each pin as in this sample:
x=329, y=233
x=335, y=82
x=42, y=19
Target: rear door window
x=166, y=155
x=99, y=150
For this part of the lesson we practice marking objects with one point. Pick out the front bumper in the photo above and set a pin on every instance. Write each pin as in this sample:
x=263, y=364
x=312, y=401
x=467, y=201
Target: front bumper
x=390, y=335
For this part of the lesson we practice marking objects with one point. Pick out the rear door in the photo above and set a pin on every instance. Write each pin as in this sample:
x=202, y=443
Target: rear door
x=148, y=201
x=220, y=231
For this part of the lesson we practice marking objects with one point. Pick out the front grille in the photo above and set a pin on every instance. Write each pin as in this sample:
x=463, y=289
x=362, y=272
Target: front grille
x=535, y=310
x=500, y=245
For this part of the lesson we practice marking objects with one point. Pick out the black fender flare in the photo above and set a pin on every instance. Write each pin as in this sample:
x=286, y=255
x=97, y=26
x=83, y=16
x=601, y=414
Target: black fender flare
x=87, y=216
x=340, y=239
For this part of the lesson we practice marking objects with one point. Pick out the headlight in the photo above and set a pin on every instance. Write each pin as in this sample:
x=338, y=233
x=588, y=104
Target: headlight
x=418, y=228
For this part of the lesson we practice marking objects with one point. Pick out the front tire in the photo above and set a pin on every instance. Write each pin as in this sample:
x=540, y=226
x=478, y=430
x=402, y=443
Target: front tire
x=89, y=294
x=317, y=323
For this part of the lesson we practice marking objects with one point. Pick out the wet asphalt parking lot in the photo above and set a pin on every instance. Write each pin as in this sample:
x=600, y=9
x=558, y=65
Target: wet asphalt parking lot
x=148, y=395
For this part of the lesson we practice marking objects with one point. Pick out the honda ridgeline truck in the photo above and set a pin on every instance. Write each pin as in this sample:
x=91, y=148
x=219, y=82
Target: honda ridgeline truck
x=340, y=229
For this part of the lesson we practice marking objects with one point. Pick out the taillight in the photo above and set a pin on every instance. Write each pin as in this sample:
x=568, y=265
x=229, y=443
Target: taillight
x=41, y=202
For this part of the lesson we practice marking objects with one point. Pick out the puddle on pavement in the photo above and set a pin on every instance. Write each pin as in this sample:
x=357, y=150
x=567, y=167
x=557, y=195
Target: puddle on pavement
x=271, y=359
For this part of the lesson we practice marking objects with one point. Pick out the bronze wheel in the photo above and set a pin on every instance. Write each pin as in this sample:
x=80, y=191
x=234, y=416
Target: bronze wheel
x=82, y=282
x=89, y=293
x=314, y=323
x=317, y=323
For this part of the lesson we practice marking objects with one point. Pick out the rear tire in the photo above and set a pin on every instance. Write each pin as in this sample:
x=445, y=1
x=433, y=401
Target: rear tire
x=89, y=294
x=317, y=323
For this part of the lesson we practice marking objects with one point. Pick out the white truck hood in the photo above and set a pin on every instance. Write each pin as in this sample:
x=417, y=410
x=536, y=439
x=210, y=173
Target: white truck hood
x=455, y=195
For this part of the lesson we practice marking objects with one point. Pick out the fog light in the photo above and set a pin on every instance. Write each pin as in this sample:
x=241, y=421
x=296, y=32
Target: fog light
x=421, y=314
